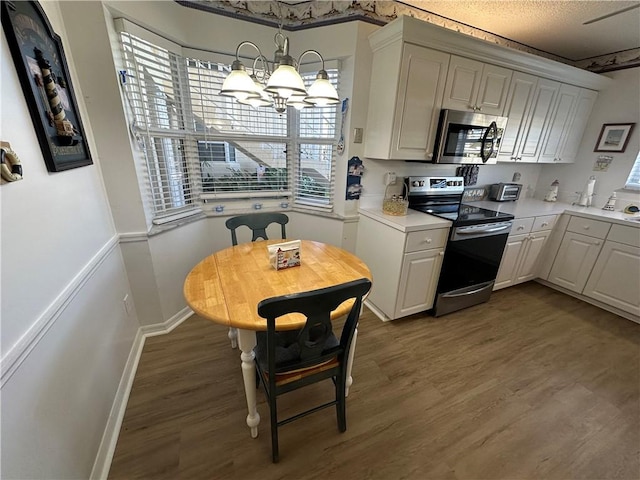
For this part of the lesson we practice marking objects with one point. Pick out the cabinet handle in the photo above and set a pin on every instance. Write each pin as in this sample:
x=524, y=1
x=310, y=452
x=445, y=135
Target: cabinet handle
x=427, y=240
x=597, y=243
x=586, y=227
x=520, y=227
x=519, y=158
x=514, y=158
x=441, y=253
x=544, y=224
x=429, y=155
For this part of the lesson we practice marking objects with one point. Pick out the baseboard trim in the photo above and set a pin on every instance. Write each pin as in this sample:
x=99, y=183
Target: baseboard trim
x=104, y=457
x=18, y=353
x=584, y=298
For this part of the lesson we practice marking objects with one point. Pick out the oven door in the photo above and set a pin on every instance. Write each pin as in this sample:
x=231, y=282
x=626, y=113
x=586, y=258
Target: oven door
x=468, y=138
x=471, y=261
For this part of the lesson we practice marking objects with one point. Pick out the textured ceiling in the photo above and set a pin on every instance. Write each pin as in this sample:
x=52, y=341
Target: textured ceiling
x=552, y=28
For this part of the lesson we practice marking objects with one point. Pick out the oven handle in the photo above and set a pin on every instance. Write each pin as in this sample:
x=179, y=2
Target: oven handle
x=483, y=286
x=476, y=230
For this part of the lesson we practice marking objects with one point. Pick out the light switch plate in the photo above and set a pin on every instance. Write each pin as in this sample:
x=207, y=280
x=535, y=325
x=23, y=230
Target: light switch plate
x=357, y=135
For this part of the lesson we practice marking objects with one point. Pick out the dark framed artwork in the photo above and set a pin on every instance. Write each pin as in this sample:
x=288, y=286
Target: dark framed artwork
x=44, y=75
x=614, y=137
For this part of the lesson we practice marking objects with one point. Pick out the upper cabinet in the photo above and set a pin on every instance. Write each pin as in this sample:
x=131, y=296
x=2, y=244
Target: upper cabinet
x=418, y=69
x=407, y=83
x=529, y=109
x=476, y=87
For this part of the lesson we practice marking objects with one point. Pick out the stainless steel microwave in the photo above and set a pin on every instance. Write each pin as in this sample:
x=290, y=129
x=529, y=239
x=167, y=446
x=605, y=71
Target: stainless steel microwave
x=468, y=137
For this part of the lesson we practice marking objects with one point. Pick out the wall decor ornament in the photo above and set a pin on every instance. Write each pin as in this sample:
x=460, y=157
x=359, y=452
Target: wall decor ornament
x=10, y=165
x=46, y=83
x=614, y=137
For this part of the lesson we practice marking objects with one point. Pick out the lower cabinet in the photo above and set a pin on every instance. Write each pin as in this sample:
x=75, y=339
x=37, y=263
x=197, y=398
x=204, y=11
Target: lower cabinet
x=600, y=261
x=615, y=278
x=418, y=281
x=575, y=260
x=522, y=251
x=405, y=267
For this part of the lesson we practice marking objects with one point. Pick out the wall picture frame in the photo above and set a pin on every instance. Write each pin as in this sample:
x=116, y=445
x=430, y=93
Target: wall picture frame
x=614, y=137
x=46, y=84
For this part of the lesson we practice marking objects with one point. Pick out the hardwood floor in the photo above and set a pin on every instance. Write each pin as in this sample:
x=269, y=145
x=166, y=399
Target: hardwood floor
x=533, y=384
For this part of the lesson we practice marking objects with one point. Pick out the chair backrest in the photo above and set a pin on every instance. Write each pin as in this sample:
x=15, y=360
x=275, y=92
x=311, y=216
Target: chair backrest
x=316, y=306
x=257, y=222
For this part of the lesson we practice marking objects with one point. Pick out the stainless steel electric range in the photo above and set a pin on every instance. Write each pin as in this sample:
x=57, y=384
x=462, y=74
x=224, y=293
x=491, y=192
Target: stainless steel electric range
x=476, y=241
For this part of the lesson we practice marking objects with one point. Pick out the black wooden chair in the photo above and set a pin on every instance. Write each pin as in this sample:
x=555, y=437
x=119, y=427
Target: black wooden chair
x=258, y=223
x=286, y=361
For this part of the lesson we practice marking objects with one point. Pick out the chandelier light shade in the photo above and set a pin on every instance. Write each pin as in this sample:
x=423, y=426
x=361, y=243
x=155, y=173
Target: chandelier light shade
x=278, y=84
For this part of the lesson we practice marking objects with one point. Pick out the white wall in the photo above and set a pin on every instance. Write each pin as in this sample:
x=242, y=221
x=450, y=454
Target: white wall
x=620, y=103
x=65, y=334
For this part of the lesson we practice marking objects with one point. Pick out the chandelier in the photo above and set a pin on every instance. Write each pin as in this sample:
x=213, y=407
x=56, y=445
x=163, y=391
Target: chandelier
x=278, y=84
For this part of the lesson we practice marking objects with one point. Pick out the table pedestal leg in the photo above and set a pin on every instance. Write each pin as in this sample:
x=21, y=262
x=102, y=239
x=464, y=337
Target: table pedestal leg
x=352, y=351
x=246, y=341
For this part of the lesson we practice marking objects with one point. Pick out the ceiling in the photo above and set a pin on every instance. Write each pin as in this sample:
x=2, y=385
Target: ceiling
x=552, y=28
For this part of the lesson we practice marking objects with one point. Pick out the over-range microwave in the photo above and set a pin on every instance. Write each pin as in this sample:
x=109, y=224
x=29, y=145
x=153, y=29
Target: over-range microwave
x=468, y=137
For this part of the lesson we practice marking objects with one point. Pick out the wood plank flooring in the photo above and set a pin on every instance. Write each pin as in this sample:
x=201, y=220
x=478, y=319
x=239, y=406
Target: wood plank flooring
x=533, y=384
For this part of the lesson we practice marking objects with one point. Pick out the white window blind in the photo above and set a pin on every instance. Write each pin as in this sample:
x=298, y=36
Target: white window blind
x=199, y=145
x=633, y=182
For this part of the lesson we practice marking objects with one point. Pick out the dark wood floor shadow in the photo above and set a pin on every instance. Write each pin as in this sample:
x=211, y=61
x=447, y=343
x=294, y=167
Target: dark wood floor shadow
x=533, y=384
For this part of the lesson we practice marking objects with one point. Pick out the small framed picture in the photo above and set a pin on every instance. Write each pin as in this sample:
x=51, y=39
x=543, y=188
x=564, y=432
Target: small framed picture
x=614, y=137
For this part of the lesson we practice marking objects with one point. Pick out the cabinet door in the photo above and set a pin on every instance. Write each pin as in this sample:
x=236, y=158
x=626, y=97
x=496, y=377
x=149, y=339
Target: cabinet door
x=560, y=125
x=510, y=261
x=538, y=119
x=423, y=74
x=463, y=83
x=574, y=261
x=494, y=86
x=528, y=265
x=418, y=281
x=615, y=279
x=581, y=114
x=517, y=107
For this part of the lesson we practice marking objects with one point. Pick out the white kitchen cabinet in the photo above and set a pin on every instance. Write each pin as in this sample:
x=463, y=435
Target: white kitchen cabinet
x=418, y=281
x=569, y=120
x=406, y=89
x=476, y=87
x=561, y=122
x=615, y=279
x=529, y=107
x=580, y=117
x=405, y=267
x=520, y=258
x=575, y=260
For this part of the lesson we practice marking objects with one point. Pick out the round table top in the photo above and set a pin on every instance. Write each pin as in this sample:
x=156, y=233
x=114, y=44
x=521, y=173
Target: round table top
x=227, y=286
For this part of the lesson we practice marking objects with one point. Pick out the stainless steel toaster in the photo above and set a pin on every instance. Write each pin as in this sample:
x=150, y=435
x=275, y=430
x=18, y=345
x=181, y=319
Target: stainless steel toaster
x=504, y=192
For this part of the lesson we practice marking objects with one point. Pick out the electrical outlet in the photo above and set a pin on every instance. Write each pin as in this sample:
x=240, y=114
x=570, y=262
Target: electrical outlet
x=390, y=178
x=357, y=135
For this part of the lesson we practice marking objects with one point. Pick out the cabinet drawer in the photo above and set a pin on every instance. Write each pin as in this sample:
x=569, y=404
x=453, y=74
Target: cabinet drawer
x=544, y=223
x=522, y=225
x=624, y=234
x=586, y=226
x=425, y=239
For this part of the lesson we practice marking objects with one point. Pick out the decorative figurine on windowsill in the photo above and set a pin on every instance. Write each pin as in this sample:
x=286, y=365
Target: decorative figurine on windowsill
x=611, y=203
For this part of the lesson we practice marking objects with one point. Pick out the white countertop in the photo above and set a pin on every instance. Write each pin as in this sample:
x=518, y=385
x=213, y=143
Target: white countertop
x=530, y=207
x=525, y=207
x=410, y=222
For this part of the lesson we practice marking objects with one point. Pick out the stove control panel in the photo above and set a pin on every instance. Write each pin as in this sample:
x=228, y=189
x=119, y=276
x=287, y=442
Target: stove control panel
x=434, y=185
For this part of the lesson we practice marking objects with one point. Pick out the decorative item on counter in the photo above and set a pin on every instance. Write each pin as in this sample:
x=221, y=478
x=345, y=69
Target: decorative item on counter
x=587, y=194
x=611, y=203
x=284, y=255
x=516, y=177
x=469, y=173
x=632, y=209
x=9, y=163
x=394, y=204
x=552, y=194
x=354, y=176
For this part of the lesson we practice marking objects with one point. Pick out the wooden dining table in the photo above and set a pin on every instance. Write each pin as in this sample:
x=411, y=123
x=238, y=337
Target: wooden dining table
x=227, y=286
